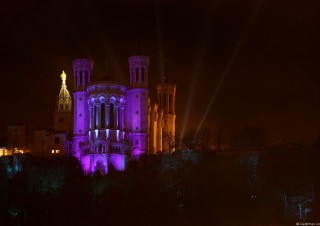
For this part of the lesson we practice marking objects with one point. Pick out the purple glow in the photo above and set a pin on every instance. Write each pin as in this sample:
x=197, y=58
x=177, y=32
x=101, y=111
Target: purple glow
x=118, y=134
x=118, y=161
x=85, y=162
x=108, y=116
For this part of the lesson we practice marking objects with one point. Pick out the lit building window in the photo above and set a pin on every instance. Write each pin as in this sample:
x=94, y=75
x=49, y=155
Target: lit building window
x=52, y=151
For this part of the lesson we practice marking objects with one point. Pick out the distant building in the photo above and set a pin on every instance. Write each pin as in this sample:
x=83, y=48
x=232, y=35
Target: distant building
x=54, y=142
x=113, y=122
x=17, y=137
x=51, y=143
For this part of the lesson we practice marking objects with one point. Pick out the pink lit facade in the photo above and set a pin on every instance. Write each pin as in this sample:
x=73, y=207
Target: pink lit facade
x=113, y=122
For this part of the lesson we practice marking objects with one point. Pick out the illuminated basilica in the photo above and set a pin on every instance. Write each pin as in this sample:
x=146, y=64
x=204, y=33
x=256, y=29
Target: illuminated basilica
x=113, y=122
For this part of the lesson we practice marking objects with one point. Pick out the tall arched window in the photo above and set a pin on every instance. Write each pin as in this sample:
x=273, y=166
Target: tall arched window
x=103, y=116
x=94, y=117
x=119, y=121
x=111, y=116
x=164, y=100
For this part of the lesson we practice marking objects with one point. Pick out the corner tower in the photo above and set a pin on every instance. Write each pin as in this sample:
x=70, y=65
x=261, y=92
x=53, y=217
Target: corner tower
x=137, y=104
x=167, y=101
x=63, y=111
x=82, y=71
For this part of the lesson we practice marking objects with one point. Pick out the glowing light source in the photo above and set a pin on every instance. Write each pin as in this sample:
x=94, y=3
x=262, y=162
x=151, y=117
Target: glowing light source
x=118, y=134
x=107, y=133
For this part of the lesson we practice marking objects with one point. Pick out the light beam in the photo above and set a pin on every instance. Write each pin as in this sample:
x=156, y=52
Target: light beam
x=230, y=62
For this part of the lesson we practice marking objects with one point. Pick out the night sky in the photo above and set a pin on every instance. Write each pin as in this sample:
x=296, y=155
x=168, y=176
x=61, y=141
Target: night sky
x=252, y=62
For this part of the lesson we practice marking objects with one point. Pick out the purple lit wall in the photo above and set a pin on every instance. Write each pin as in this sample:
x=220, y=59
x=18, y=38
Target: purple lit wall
x=82, y=69
x=118, y=161
x=109, y=116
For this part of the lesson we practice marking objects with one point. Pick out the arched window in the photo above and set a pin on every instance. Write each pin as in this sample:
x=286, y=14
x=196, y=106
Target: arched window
x=164, y=100
x=170, y=100
x=137, y=74
x=103, y=116
x=94, y=117
x=119, y=121
x=111, y=116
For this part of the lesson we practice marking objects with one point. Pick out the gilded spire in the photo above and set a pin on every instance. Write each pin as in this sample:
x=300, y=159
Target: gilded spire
x=63, y=78
x=64, y=98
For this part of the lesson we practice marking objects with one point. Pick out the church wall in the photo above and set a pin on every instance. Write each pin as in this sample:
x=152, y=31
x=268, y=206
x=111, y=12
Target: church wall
x=138, y=98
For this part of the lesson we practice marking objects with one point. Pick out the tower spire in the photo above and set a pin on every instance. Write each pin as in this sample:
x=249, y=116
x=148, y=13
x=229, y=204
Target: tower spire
x=63, y=78
x=63, y=111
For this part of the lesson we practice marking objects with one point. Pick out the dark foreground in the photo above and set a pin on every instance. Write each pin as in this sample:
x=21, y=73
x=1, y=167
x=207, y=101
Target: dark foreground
x=279, y=186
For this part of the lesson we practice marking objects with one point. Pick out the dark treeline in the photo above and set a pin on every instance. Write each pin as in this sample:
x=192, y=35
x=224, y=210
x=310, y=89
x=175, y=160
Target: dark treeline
x=243, y=188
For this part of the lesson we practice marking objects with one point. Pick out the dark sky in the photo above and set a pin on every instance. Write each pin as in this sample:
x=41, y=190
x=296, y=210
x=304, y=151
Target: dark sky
x=252, y=62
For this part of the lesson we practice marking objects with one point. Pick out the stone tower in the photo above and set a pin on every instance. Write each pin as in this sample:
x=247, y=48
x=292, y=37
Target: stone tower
x=166, y=99
x=63, y=111
x=82, y=71
x=137, y=104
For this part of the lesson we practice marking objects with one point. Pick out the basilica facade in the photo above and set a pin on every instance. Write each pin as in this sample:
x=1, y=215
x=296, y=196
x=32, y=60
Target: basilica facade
x=113, y=122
